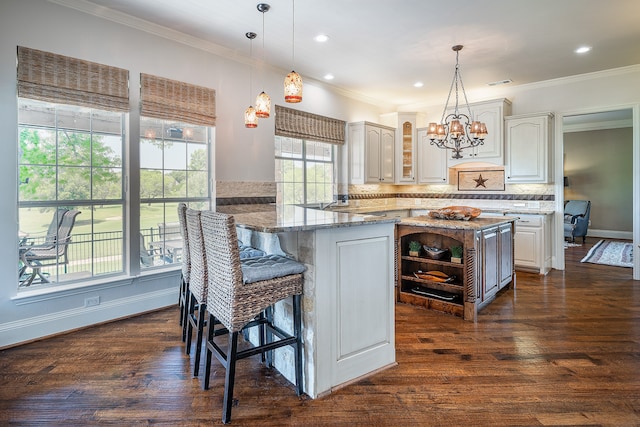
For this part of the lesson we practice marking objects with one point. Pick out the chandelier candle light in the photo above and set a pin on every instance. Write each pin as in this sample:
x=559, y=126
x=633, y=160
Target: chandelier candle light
x=263, y=102
x=457, y=131
x=293, y=81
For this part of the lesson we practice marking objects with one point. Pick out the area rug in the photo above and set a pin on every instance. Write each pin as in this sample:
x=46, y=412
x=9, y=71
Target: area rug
x=609, y=252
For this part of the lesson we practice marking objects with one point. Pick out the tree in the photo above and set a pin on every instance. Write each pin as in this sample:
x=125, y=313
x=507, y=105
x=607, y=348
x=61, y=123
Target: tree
x=67, y=169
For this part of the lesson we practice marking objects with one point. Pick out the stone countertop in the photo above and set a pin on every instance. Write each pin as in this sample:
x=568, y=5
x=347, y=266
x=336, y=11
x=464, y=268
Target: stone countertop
x=472, y=224
x=387, y=208
x=283, y=218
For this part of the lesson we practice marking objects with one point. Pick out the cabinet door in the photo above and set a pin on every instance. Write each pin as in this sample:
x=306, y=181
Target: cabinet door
x=490, y=262
x=432, y=161
x=526, y=247
x=492, y=114
x=406, y=152
x=387, y=150
x=373, y=142
x=527, y=149
x=506, y=252
x=356, y=150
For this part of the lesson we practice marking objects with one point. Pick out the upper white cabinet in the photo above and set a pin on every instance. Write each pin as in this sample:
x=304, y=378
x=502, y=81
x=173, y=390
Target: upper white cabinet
x=492, y=113
x=432, y=161
x=527, y=152
x=371, y=153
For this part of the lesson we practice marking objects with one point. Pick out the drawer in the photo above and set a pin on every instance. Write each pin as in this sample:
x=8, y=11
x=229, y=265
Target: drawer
x=529, y=220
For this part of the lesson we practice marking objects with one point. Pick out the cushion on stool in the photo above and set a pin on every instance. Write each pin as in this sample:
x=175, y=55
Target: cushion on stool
x=269, y=267
x=250, y=252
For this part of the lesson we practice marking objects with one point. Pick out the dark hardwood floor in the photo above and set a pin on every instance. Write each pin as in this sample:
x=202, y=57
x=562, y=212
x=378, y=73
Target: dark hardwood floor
x=561, y=349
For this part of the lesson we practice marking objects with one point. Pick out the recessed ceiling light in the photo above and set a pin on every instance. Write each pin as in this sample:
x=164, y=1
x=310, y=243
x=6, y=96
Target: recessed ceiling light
x=500, y=82
x=328, y=76
x=321, y=38
x=583, y=49
x=418, y=84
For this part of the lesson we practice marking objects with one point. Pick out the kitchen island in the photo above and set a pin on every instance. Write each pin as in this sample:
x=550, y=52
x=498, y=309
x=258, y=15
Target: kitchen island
x=348, y=301
x=439, y=282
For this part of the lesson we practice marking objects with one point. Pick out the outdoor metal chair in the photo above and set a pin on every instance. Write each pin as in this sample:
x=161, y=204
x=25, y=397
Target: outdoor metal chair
x=39, y=256
x=28, y=242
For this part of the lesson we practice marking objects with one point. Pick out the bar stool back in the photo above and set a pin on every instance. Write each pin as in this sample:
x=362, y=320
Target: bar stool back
x=183, y=296
x=198, y=282
x=238, y=292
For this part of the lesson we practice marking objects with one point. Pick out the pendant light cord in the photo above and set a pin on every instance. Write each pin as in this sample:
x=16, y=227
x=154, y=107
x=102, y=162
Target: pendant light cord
x=293, y=35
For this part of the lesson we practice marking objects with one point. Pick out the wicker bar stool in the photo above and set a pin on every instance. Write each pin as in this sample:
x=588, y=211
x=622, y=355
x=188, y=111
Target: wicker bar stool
x=198, y=281
x=183, y=297
x=238, y=294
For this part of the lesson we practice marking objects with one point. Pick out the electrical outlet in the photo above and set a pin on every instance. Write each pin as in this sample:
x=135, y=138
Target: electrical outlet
x=92, y=301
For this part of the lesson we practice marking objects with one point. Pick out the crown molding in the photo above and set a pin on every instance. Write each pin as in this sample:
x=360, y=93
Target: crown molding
x=602, y=125
x=216, y=49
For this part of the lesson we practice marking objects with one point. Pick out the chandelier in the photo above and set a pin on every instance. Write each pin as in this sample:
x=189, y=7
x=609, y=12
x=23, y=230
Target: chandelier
x=457, y=131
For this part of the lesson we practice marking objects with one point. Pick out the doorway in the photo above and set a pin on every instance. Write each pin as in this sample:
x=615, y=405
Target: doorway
x=598, y=159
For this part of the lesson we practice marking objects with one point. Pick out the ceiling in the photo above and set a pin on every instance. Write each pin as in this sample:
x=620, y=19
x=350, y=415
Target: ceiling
x=378, y=49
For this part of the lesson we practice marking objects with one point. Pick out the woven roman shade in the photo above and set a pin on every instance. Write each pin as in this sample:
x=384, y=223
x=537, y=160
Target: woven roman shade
x=61, y=79
x=302, y=125
x=166, y=99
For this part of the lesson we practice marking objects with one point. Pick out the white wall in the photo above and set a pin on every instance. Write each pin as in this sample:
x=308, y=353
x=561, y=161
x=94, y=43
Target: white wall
x=240, y=154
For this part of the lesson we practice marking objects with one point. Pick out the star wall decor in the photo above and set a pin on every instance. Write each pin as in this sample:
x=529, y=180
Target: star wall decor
x=481, y=180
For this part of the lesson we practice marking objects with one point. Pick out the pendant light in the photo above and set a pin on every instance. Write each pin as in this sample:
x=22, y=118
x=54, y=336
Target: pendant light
x=250, y=118
x=293, y=81
x=263, y=102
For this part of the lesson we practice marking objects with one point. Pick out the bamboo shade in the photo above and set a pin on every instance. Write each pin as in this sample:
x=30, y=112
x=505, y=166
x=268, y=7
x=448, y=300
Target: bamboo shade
x=56, y=78
x=303, y=125
x=166, y=99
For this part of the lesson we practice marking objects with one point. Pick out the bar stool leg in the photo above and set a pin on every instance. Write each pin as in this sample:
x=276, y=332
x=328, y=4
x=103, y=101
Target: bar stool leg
x=202, y=308
x=190, y=312
x=229, y=379
x=297, y=330
x=207, y=363
x=269, y=336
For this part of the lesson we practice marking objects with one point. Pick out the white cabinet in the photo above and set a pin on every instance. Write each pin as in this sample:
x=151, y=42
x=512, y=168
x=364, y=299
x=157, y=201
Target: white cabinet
x=497, y=256
x=527, y=147
x=371, y=153
x=492, y=114
x=406, y=147
x=432, y=161
x=532, y=246
x=353, y=310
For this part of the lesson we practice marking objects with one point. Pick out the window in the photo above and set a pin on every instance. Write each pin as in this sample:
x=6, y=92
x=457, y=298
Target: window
x=71, y=157
x=305, y=146
x=71, y=188
x=71, y=116
x=304, y=171
x=176, y=127
x=174, y=167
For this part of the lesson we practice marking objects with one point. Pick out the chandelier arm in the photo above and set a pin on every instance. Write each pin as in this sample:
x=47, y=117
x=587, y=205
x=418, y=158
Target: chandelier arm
x=466, y=101
x=444, y=112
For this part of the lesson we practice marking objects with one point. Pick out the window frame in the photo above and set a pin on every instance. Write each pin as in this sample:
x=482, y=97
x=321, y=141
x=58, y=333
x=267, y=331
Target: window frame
x=304, y=158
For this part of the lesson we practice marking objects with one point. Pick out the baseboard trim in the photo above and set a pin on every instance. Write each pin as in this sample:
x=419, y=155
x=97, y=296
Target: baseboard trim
x=610, y=234
x=37, y=327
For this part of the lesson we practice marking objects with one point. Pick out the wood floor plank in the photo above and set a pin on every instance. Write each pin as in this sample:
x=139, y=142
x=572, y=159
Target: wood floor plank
x=561, y=349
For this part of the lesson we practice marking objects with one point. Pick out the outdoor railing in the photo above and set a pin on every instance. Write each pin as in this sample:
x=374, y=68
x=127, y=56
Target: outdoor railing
x=96, y=254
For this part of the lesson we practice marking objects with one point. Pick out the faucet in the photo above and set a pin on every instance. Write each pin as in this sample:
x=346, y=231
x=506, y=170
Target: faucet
x=324, y=206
